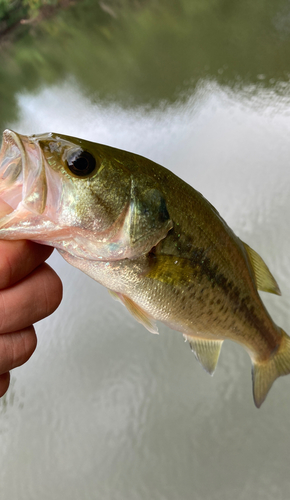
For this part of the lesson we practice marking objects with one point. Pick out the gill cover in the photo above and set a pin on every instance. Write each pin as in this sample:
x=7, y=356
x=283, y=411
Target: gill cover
x=148, y=219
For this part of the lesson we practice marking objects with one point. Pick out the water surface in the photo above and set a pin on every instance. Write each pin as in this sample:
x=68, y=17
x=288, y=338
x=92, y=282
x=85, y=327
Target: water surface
x=105, y=410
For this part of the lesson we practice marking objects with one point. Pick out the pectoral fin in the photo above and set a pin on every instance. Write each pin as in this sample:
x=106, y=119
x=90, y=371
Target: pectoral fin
x=206, y=352
x=263, y=278
x=137, y=312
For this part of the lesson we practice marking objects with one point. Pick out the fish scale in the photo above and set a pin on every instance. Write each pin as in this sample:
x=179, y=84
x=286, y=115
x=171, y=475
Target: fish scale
x=154, y=241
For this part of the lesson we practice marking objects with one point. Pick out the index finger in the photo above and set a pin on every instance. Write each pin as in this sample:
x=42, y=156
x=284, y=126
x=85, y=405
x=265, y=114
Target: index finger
x=18, y=258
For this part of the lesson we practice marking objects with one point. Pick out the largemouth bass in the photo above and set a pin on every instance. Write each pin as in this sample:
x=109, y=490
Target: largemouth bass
x=155, y=242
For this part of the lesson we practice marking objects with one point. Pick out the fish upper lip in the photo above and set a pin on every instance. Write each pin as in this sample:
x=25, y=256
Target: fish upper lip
x=26, y=182
x=12, y=155
x=9, y=135
x=7, y=158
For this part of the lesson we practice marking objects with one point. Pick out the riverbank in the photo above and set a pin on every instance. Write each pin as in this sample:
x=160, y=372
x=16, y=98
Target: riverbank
x=16, y=18
x=19, y=16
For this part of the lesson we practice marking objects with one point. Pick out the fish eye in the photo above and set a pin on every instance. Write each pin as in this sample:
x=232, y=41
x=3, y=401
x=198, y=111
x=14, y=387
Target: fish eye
x=81, y=163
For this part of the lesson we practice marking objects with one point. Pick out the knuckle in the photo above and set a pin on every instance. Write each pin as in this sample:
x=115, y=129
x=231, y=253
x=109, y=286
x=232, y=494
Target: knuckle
x=3, y=313
x=24, y=346
x=51, y=291
x=6, y=270
x=4, y=383
x=16, y=348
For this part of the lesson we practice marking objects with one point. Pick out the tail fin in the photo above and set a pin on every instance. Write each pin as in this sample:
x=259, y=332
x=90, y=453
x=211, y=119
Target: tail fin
x=265, y=373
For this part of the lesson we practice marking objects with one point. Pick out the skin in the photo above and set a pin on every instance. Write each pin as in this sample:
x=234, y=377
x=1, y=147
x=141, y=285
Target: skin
x=29, y=291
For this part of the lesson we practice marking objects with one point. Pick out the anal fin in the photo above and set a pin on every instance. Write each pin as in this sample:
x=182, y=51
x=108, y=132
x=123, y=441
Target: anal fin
x=206, y=352
x=137, y=312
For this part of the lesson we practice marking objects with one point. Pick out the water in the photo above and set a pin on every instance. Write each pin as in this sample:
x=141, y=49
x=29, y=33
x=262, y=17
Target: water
x=105, y=410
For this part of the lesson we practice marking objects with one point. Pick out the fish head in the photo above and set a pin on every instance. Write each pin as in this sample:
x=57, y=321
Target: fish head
x=87, y=199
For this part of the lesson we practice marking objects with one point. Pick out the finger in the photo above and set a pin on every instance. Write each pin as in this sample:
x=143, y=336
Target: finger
x=4, y=383
x=19, y=258
x=30, y=300
x=16, y=348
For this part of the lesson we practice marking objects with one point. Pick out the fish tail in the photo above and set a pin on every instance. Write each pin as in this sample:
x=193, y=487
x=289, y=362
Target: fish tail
x=265, y=373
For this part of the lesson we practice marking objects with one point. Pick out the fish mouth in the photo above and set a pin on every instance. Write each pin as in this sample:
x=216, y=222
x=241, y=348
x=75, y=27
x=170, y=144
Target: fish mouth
x=22, y=173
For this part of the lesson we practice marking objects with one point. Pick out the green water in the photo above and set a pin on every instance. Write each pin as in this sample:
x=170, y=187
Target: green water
x=150, y=52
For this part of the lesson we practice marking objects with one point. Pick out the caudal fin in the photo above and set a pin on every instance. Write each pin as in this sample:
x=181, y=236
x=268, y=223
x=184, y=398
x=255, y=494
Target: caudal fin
x=265, y=373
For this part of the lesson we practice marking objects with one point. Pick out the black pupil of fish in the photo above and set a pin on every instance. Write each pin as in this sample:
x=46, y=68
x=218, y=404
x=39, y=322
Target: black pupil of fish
x=81, y=163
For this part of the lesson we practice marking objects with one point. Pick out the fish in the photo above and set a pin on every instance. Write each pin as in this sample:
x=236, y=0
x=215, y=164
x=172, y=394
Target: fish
x=151, y=239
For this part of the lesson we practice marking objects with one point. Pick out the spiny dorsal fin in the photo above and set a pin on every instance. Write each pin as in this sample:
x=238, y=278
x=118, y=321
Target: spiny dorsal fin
x=206, y=352
x=263, y=278
x=137, y=312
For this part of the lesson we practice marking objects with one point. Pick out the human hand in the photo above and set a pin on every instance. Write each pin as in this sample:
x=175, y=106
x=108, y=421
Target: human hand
x=29, y=291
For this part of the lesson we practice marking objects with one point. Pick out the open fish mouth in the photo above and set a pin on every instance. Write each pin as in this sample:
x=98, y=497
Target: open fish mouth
x=11, y=172
x=22, y=173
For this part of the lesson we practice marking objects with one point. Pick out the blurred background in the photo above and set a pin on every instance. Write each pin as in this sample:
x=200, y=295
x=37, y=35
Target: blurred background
x=105, y=410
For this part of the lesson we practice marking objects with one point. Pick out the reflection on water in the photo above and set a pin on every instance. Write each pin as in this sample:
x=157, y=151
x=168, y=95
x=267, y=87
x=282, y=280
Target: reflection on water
x=105, y=410
x=111, y=411
x=153, y=52
x=186, y=136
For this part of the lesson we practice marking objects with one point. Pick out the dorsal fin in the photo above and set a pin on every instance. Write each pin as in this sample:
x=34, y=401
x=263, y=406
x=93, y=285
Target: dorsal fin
x=206, y=352
x=137, y=312
x=263, y=278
